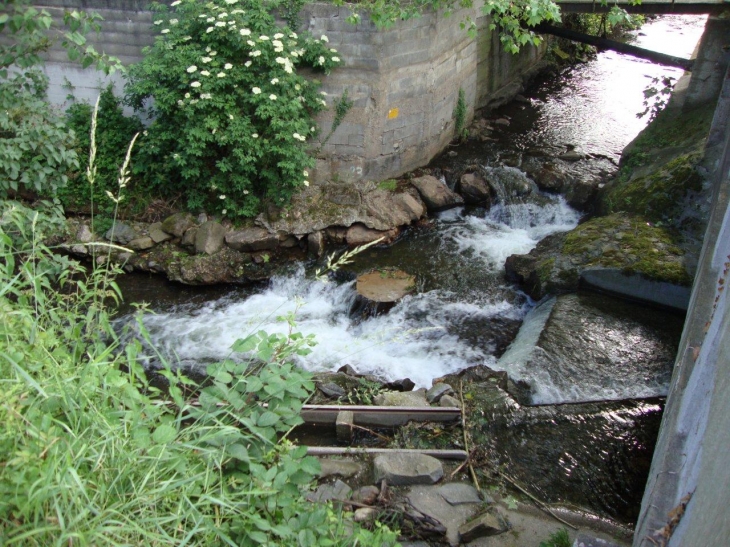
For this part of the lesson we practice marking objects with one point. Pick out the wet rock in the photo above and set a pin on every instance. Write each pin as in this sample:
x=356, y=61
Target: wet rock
x=364, y=514
x=487, y=524
x=157, y=234
x=571, y=155
x=379, y=291
x=437, y=391
x=337, y=234
x=83, y=234
x=507, y=182
x=457, y=493
x=347, y=369
x=141, y=243
x=449, y=401
x=332, y=390
x=586, y=347
x=474, y=189
x=399, y=398
x=252, y=239
x=367, y=495
x=504, y=122
x=121, y=233
x=339, y=468
x=406, y=384
x=177, y=224
x=327, y=492
x=402, y=469
x=315, y=243
x=209, y=238
x=359, y=234
x=435, y=194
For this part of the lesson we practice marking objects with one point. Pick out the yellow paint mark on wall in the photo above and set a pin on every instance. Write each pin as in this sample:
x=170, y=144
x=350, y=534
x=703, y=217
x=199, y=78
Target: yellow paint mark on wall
x=392, y=113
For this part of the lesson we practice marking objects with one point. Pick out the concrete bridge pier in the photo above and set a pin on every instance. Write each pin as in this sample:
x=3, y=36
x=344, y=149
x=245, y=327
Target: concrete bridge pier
x=688, y=491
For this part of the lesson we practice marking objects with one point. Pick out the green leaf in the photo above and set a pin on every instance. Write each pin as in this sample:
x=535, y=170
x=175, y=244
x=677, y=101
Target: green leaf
x=267, y=419
x=164, y=434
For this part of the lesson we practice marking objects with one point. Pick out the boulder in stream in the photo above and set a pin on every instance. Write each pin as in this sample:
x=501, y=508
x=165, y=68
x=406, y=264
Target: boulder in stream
x=380, y=290
x=436, y=195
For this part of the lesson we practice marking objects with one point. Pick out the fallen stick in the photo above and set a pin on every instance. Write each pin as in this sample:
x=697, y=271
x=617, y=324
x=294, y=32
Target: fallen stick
x=541, y=505
x=466, y=440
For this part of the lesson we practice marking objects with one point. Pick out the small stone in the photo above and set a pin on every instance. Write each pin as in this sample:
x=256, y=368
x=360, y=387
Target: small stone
x=449, y=401
x=407, y=468
x=332, y=390
x=437, y=391
x=364, y=514
x=367, y=495
x=452, y=153
x=405, y=384
x=79, y=250
x=571, y=156
x=83, y=234
x=177, y=224
x=504, y=122
x=141, y=243
x=486, y=524
x=202, y=217
x=157, y=234
x=315, y=243
x=342, y=468
x=209, y=238
x=288, y=241
x=347, y=369
x=188, y=239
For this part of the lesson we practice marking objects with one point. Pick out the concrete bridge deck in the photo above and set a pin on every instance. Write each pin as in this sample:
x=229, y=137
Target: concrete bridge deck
x=646, y=6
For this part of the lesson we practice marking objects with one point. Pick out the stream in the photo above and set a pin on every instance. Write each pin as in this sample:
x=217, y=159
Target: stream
x=464, y=313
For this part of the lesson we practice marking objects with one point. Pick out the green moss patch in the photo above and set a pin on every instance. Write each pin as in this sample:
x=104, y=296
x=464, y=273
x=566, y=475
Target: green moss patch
x=629, y=243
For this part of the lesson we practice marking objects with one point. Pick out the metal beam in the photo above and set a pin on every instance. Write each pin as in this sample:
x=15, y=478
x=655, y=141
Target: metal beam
x=604, y=43
x=651, y=7
x=379, y=416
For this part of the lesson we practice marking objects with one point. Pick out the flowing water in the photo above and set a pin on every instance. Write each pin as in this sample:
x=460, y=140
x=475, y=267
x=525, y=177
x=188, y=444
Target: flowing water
x=464, y=313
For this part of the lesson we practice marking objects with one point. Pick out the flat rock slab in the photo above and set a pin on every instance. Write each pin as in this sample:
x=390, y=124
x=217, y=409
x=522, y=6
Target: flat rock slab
x=430, y=501
x=342, y=468
x=403, y=469
x=337, y=491
x=458, y=493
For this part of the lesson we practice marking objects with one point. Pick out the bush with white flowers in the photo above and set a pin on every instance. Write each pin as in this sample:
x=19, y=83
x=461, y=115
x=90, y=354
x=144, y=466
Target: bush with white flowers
x=232, y=117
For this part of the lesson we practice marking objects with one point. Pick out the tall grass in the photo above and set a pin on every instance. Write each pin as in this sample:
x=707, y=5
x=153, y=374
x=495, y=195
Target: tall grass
x=92, y=454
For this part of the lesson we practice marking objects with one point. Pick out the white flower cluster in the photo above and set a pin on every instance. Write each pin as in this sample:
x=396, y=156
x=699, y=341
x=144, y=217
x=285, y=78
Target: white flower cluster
x=299, y=138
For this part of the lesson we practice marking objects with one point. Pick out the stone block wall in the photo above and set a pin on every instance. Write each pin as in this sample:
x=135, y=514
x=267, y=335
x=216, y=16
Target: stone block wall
x=403, y=81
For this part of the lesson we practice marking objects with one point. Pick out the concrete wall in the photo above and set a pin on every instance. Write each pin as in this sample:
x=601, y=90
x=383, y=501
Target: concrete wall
x=693, y=450
x=404, y=81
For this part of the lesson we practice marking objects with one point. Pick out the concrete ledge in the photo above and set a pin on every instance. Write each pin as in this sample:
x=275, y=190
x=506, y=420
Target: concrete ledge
x=637, y=287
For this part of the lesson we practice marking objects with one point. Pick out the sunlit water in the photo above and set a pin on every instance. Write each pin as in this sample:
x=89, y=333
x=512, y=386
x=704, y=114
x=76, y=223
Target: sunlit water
x=464, y=313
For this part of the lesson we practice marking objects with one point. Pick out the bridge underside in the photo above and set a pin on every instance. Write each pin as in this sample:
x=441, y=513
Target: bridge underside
x=656, y=7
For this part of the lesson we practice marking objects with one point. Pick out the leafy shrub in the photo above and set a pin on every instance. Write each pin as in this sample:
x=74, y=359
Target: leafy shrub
x=231, y=114
x=36, y=148
x=94, y=455
x=114, y=131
